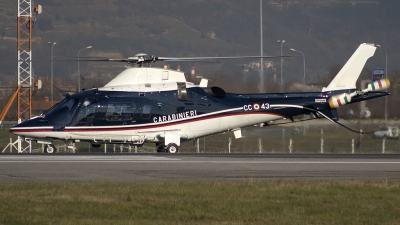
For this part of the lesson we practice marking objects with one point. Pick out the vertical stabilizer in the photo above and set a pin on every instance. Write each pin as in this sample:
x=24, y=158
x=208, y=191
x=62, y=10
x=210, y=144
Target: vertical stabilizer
x=348, y=75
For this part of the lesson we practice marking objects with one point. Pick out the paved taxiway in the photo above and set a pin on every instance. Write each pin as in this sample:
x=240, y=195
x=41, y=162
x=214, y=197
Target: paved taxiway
x=222, y=167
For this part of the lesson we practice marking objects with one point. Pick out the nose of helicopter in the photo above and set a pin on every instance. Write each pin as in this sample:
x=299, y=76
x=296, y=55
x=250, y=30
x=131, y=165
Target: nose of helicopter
x=31, y=127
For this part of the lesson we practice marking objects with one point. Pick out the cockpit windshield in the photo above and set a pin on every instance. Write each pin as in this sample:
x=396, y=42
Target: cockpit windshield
x=56, y=107
x=63, y=112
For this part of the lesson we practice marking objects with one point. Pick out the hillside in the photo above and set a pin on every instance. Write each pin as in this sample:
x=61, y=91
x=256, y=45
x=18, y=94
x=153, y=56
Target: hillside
x=326, y=31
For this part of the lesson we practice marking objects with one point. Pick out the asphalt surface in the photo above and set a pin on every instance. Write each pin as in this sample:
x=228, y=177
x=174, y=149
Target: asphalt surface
x=16, y=168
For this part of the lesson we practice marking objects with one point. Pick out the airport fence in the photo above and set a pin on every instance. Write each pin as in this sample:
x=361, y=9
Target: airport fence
x=296, y=139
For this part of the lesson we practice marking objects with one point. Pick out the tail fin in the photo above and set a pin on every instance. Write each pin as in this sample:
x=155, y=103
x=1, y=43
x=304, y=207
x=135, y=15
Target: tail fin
x=348, y=75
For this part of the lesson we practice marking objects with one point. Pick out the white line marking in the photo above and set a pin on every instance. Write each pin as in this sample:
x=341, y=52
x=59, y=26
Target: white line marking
x=148, y=159
x=83, y=158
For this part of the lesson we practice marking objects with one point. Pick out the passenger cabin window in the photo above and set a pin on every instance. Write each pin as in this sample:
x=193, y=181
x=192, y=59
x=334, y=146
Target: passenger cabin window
x=146, y=111
x=87, y=111
x=120, y=111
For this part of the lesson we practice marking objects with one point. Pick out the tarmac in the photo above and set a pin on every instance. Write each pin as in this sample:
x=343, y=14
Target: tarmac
x=22, y=168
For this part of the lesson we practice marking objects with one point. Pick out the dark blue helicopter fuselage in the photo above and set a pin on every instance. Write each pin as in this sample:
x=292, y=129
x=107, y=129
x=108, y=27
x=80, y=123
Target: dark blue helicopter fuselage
x=117, y=116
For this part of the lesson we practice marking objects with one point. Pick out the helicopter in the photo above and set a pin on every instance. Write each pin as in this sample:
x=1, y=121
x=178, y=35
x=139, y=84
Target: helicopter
x=158, y=105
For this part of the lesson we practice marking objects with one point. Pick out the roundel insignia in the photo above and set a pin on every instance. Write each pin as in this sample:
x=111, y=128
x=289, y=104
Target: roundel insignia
x=256, y=106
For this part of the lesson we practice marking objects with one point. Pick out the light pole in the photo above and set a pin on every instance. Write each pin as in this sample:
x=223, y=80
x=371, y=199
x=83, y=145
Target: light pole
x=304, y=64
x=386, y=101
x=52, y=46
x=386, y=75
x=261, y=87
x=79, y=74
x=281, y=42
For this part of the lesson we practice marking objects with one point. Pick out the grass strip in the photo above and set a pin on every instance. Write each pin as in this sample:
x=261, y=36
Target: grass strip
x=202, y=202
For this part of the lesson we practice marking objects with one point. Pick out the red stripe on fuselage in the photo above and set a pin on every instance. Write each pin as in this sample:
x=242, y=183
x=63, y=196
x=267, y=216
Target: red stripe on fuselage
x=139, y=126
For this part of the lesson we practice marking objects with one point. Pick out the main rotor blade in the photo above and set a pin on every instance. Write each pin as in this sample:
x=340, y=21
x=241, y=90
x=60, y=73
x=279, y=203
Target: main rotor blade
x=216, y=57
x=107, y=60
x=150, y=59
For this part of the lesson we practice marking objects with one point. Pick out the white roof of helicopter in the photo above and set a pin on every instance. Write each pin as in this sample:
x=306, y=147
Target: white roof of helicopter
x=145, y=79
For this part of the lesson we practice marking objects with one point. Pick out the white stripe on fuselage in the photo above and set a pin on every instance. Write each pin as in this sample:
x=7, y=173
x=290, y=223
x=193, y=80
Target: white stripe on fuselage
x=164, y=122
x=195, y=116
x=152, y=130
x=286, y=106
x=134, y=126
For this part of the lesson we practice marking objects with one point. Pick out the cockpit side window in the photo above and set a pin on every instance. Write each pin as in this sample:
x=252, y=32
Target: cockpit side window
x=120, y=111
x=87, y=111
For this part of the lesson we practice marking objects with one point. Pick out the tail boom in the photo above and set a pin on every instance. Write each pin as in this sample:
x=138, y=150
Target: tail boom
x=346, y=98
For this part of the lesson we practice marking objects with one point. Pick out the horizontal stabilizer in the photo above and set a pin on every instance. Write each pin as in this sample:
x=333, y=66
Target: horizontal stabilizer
x=348, y=75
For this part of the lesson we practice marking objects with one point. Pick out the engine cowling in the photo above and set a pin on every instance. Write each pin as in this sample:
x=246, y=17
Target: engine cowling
x=215, y=92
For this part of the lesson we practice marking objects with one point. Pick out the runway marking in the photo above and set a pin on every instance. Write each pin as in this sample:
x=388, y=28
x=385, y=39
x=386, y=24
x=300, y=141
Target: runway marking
x=161, y=159
x=19, y=159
